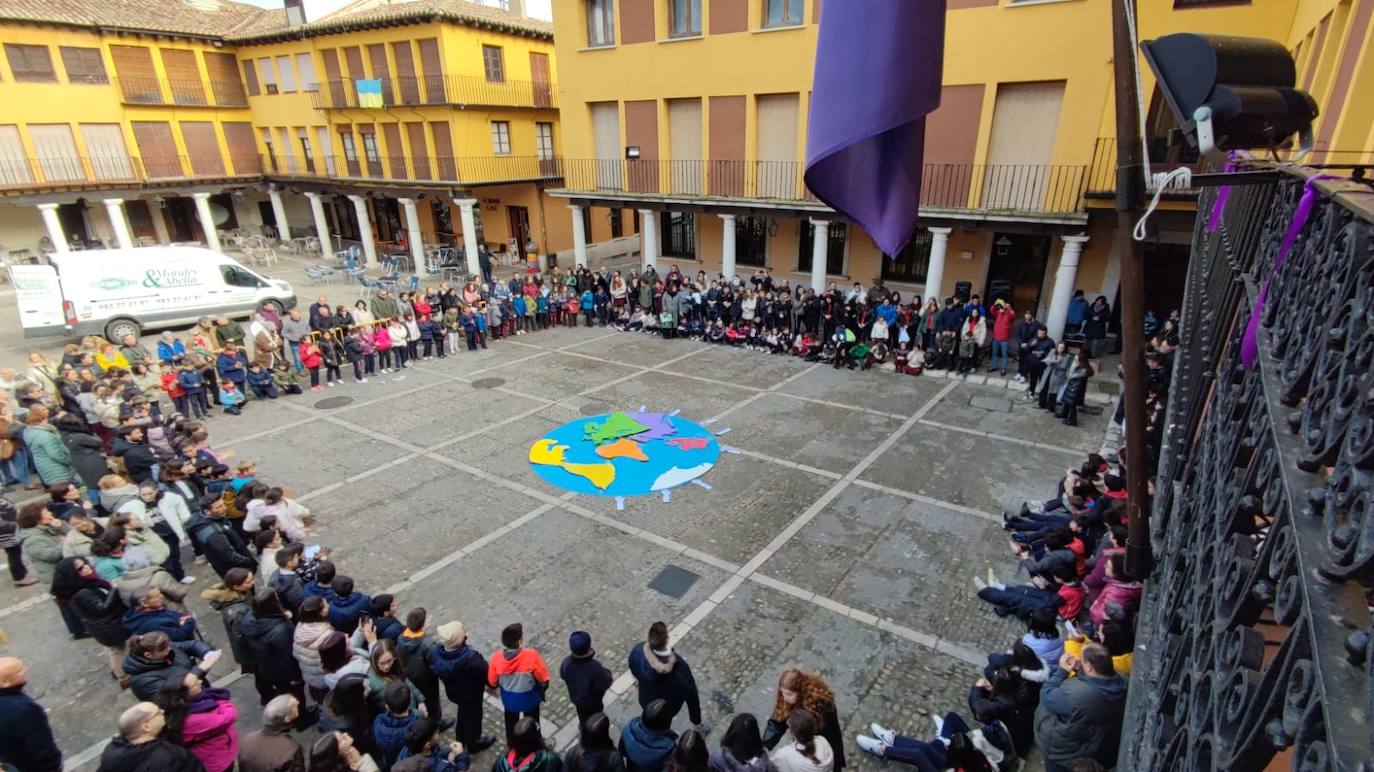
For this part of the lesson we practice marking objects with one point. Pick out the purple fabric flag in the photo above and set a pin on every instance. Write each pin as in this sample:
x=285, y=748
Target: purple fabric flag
x=878, y=67
x=1249, y=342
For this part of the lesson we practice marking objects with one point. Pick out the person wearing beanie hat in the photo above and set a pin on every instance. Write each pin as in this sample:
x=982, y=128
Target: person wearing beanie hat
x=588, y=680
x=463, y=672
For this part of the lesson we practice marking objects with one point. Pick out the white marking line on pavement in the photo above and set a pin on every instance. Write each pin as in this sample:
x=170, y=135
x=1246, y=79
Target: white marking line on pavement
x=1005, y=438
x=989, y=516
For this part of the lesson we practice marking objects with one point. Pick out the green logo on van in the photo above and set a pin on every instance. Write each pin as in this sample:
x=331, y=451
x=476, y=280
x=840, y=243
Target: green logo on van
x=115, y=283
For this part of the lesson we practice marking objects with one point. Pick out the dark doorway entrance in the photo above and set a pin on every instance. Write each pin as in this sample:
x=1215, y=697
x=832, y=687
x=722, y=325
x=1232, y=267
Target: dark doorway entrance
x=1016, y=269
x=269, y=217
x=182, y=224
x=617, y=228
x=344, y=222
x=386, y=213
x=1166, y=268
x=519, y=220
x=140, y=219
x=73, y=218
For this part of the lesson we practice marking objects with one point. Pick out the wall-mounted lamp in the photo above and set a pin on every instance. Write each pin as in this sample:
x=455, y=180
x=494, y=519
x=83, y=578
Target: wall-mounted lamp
x=1231, y=93
x=1003, y=245
x=632, y=152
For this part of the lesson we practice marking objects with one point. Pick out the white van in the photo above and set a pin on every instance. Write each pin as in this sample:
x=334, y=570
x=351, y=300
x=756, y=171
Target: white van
x=119, y=292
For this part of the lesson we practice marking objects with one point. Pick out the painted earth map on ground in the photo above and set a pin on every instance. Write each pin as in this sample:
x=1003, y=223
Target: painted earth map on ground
x=626, y=453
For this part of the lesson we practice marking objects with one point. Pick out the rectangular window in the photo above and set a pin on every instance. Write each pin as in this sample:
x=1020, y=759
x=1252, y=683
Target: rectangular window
x=500, y=137
x=834, y=251
x=350, y=150
x=30, y=64
x=84, y=65
x=911, y=263
x=684, y=18
x=751, y=241
x=600, y=23
x=782, y=13
x=287, y=83
x=543, y=141
x=306, y=152
x=268, y=74
x=493, y=64
x=679, y=237
x=250, y=77
x=305, y=68
x=370, y=148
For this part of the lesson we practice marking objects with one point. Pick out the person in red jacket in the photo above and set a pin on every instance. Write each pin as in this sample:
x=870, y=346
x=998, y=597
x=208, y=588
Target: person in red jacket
x=312, y=359
x=173, y=388
x=1003, y=317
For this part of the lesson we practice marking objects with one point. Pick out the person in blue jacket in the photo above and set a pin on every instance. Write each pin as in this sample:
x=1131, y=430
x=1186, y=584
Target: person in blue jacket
x=232, y=365
x=428, y=334
x=389, y=728
x=260, y=381
x=588, y=303
x=346, y=607
x=463, y=672
x=193, y=382
x=648, y=739
x=1078, y=313
x=170, y=349
x=382, y=609
x=150, y=613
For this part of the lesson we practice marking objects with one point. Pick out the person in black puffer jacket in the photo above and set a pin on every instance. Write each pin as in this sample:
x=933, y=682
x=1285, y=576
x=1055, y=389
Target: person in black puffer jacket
x=76, y=585
x=268, y=635
x=153, y=658
x=662, y=674
x=414, y=647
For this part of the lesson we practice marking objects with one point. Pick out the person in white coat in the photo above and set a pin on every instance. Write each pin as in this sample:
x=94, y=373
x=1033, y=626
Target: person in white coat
x=166, y=514
x=291, y=517
x=808, y=751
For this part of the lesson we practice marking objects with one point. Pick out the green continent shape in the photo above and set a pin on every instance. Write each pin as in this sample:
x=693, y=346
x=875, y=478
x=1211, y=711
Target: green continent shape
x=615, y=426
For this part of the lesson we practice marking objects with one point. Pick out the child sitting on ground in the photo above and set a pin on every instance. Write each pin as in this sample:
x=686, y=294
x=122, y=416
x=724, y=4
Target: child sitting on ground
x=876, y=355
x=717, y=333
x=260, y=381
x=230, y=397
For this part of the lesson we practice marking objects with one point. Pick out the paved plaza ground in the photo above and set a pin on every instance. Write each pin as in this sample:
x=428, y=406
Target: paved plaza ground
x=842, y=537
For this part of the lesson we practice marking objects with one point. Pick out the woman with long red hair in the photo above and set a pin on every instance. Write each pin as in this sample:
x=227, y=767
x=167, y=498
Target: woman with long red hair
x=805, y=690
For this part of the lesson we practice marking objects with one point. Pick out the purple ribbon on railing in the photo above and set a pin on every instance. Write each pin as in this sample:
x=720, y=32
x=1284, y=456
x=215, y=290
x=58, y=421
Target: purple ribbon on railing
x=1249, y=342
x=1222, y=192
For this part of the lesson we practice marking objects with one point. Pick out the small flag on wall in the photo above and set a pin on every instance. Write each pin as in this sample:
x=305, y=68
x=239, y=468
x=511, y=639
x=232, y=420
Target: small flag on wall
x=369, y=93
x=878, y=68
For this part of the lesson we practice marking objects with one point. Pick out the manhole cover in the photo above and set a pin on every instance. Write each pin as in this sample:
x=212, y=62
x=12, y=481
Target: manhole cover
x=674, y=581
x=331, y=403
x=994, y=404
x=595, y=408
x=488, y=383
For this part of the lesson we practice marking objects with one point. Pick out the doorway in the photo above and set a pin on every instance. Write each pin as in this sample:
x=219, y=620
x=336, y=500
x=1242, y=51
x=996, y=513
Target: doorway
x=386, y=213
x=140, y=219
x=518, y=218
x=617, y=228
x=1016, y=269
x=182, y=222
x=73, y=219
x=268, y=215
x=1165, y=277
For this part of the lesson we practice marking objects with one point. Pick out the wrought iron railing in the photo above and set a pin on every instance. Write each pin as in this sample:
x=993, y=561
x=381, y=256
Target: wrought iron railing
x=1252, y=644
x=71, y=171
x=180, y=92
x=406, y=168
x=1025, y=188
x=1163, y=158
x=410, y=90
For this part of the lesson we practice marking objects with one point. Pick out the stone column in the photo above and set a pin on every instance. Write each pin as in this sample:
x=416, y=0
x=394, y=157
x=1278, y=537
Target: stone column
x=365, y=229
x=321, y=224
x=159, y=216
x=53, y=224
x=467, y=214
x=417, y=244
x=727, y=246
x=935, y=268
x=279, y=212
x=114, y=208
x=648, y=236
x=579, y=236
x=207, y=220
x=1064, y=279
x=820, y=243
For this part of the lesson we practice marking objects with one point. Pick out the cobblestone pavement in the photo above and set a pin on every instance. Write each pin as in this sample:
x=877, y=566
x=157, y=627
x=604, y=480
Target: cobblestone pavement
x=843, y=536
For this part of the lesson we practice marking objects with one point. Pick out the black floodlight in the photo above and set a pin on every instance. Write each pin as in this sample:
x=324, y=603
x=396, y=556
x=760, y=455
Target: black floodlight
x=1231, y=93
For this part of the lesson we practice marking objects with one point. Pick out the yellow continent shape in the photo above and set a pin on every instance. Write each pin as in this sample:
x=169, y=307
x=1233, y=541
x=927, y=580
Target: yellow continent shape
x=549, y=452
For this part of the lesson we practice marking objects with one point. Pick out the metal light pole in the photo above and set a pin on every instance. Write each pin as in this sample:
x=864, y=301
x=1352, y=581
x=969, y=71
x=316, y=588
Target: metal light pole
x=1130, y=197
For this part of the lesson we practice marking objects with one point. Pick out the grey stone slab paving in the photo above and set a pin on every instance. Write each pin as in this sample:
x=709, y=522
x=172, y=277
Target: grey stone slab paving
x=437, y=414
x=662, y=391
x=738, y=366
x=314, y=455
x=557, y=375
x=1006, y=412
x=877, y=389
x=902, y=560
x=970, y=470
x=635, y=349
x=830, y=438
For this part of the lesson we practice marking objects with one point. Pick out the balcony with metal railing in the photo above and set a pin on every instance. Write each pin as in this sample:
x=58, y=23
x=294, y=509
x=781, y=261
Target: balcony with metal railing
x=180, y=92
x=1163, y=158
x=1035, y=189
x=416, y=90
x=67, y=172
x=444, y=170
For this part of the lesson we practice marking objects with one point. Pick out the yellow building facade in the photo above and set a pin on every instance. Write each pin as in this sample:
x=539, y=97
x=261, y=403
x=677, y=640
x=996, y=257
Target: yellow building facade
x=391, y=127
x=693, y=114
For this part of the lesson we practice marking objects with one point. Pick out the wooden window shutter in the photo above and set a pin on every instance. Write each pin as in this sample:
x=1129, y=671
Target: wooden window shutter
x=407, y=86
x=433, y=69
x=203, y=148
x=376, y=54
x=243, y=148
x=137, y=78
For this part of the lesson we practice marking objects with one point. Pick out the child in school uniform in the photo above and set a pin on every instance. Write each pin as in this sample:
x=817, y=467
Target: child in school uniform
x=190, y=379
x=426, y=328
x=877, y=354
x=381, y=341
